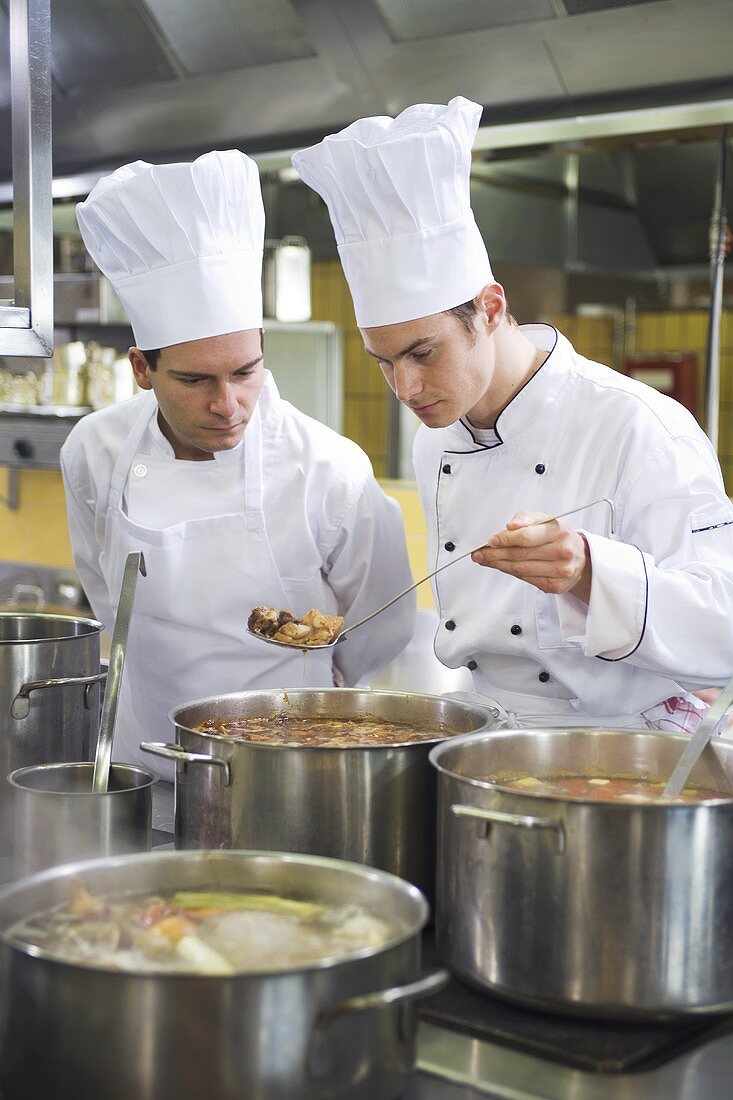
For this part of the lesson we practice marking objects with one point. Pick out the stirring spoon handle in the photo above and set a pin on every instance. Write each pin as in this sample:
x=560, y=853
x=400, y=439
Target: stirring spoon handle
x=454, y=561
x=103, y=755
x=696, y=744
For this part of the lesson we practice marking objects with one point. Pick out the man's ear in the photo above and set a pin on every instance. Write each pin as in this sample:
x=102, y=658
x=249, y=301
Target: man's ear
x=140, y=368
x=490, y=305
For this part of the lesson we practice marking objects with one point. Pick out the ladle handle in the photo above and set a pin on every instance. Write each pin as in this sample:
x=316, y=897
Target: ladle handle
x=698, y=741
x=135, y=562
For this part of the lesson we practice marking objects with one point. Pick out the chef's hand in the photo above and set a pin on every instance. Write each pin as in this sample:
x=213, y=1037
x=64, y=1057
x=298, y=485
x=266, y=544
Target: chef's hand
x=551, y=556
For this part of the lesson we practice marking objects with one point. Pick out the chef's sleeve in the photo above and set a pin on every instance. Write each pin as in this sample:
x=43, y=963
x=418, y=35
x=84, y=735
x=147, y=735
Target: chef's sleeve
x=662, y=588
x=366, y=566
x=84, y=545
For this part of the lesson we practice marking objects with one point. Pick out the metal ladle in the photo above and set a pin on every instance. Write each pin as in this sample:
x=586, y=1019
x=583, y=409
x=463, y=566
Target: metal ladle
x=135, y=563
x=347, y=630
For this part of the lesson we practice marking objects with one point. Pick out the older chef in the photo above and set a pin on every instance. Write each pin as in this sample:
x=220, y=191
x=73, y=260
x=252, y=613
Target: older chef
x=234, y=496
x=561, y=625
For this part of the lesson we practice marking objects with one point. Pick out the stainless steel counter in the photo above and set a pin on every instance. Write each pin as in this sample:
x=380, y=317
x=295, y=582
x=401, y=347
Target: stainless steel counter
x=455, y=1067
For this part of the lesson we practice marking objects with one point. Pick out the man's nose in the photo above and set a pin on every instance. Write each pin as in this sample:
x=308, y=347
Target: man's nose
x=407, y=382
x=224, y=402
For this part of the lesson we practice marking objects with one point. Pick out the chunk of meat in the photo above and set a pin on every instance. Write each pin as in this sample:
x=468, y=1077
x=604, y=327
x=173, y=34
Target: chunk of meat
x=315, y=628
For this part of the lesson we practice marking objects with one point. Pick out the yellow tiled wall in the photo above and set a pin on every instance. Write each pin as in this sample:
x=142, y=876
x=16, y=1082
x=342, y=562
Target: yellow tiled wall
x=36, y=532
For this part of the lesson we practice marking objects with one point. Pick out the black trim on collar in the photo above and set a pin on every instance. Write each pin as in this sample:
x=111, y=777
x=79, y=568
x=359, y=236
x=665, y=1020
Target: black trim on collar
x=479, y=444
x=643, y=625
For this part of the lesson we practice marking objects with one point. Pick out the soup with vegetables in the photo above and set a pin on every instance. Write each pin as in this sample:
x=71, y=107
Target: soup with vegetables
x=324, y=733
x=198, y=932
x=605, y=788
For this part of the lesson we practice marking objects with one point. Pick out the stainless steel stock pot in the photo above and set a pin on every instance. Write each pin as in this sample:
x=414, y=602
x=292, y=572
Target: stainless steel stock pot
x=612, y=909
x=49, y=692
x=336, y=1030
x=372, y=805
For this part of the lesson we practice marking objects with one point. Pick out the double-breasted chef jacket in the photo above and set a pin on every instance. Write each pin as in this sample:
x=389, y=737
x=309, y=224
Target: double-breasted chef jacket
x=660, y=619
x=291, y=518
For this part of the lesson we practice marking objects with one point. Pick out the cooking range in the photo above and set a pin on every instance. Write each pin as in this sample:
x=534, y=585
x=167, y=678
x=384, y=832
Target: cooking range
x=472, y=1044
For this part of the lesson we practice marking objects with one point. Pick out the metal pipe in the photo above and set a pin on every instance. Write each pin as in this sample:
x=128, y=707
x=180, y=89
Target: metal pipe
x=718, y=224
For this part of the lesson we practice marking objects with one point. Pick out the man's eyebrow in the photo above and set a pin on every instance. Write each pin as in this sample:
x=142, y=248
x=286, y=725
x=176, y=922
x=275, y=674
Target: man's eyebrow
x=405, y=351
x=203, y=374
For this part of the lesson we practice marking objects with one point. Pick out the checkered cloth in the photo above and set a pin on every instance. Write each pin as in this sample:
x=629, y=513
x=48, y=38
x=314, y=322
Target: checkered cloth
x=679, y=714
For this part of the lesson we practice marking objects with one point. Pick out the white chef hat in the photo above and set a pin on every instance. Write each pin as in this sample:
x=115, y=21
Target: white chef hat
x=181, y=244
x=398, y=194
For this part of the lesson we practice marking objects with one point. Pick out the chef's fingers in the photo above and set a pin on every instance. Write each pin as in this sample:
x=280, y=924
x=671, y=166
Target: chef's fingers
x=524, y=536
x=558, y=550
x=530, y=568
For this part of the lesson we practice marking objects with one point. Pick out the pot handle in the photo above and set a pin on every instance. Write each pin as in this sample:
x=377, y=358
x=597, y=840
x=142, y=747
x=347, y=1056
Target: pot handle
x=175, y=752
x=485, y=818
x=21, y=705
x=381, y=998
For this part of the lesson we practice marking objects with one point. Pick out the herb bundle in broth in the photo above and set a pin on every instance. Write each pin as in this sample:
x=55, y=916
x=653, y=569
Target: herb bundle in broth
x=198, y=932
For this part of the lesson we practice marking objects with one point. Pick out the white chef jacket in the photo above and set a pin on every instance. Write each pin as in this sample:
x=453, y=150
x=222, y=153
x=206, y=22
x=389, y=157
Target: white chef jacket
x=660, y=618
x=336, y=540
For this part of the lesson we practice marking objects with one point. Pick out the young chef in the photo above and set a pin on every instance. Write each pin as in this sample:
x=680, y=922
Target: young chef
x=561, y=625
x=234, y=496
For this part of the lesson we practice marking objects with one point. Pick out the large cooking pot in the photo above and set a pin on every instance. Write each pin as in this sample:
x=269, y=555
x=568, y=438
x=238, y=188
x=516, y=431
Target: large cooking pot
x=49, y=692
x=612, y=909
x=341, y=1029
x=371, y=805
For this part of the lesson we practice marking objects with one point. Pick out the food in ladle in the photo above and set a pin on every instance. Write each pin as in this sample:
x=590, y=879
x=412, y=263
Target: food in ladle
x=324, y=733
x=315, y=628
x=611, y=788
x=199, y=932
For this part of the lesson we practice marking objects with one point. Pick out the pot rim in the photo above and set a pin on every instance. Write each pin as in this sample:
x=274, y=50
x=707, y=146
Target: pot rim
x=658, y=805
x=95, y=626
x=73, y=870
x=285, y=692
x=15, y=777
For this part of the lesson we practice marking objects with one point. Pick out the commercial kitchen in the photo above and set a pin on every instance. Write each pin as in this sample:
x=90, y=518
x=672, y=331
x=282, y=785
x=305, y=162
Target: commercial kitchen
x=366, y=477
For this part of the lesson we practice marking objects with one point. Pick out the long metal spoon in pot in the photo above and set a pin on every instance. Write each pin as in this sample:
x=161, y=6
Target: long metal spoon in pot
x=695, y=746
x=135, y=563
x=347, y=630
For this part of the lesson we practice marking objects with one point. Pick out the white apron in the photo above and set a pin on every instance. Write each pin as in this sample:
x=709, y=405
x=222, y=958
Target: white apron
x=188, y=636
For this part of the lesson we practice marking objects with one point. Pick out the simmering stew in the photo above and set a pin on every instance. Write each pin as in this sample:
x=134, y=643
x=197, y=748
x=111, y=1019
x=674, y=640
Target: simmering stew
x=612, y=788
x=324, y=733
x=198, y=932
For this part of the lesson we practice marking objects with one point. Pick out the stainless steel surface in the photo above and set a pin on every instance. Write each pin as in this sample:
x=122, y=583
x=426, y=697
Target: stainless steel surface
x=135, y=563
x=372, y=805
x=61, y=721
x=634, y=917
x=73, y=1032
x=32, y=441
x=454, y=561
x=30, y=79
x=452, y=1066
x=695, y=746
x=59, y=818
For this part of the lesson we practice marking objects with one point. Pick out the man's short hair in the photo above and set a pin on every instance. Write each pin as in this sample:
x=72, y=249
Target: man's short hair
x=467, y=312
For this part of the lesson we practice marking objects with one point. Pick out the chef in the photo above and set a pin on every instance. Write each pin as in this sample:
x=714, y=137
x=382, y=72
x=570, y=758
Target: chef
x=235, y=497
x=615, y=615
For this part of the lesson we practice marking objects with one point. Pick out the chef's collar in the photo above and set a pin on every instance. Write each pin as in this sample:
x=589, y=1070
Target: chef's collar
x=537, y=397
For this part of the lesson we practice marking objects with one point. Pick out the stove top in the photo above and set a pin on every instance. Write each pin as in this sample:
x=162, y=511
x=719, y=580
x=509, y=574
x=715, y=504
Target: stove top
x=600, y=1046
